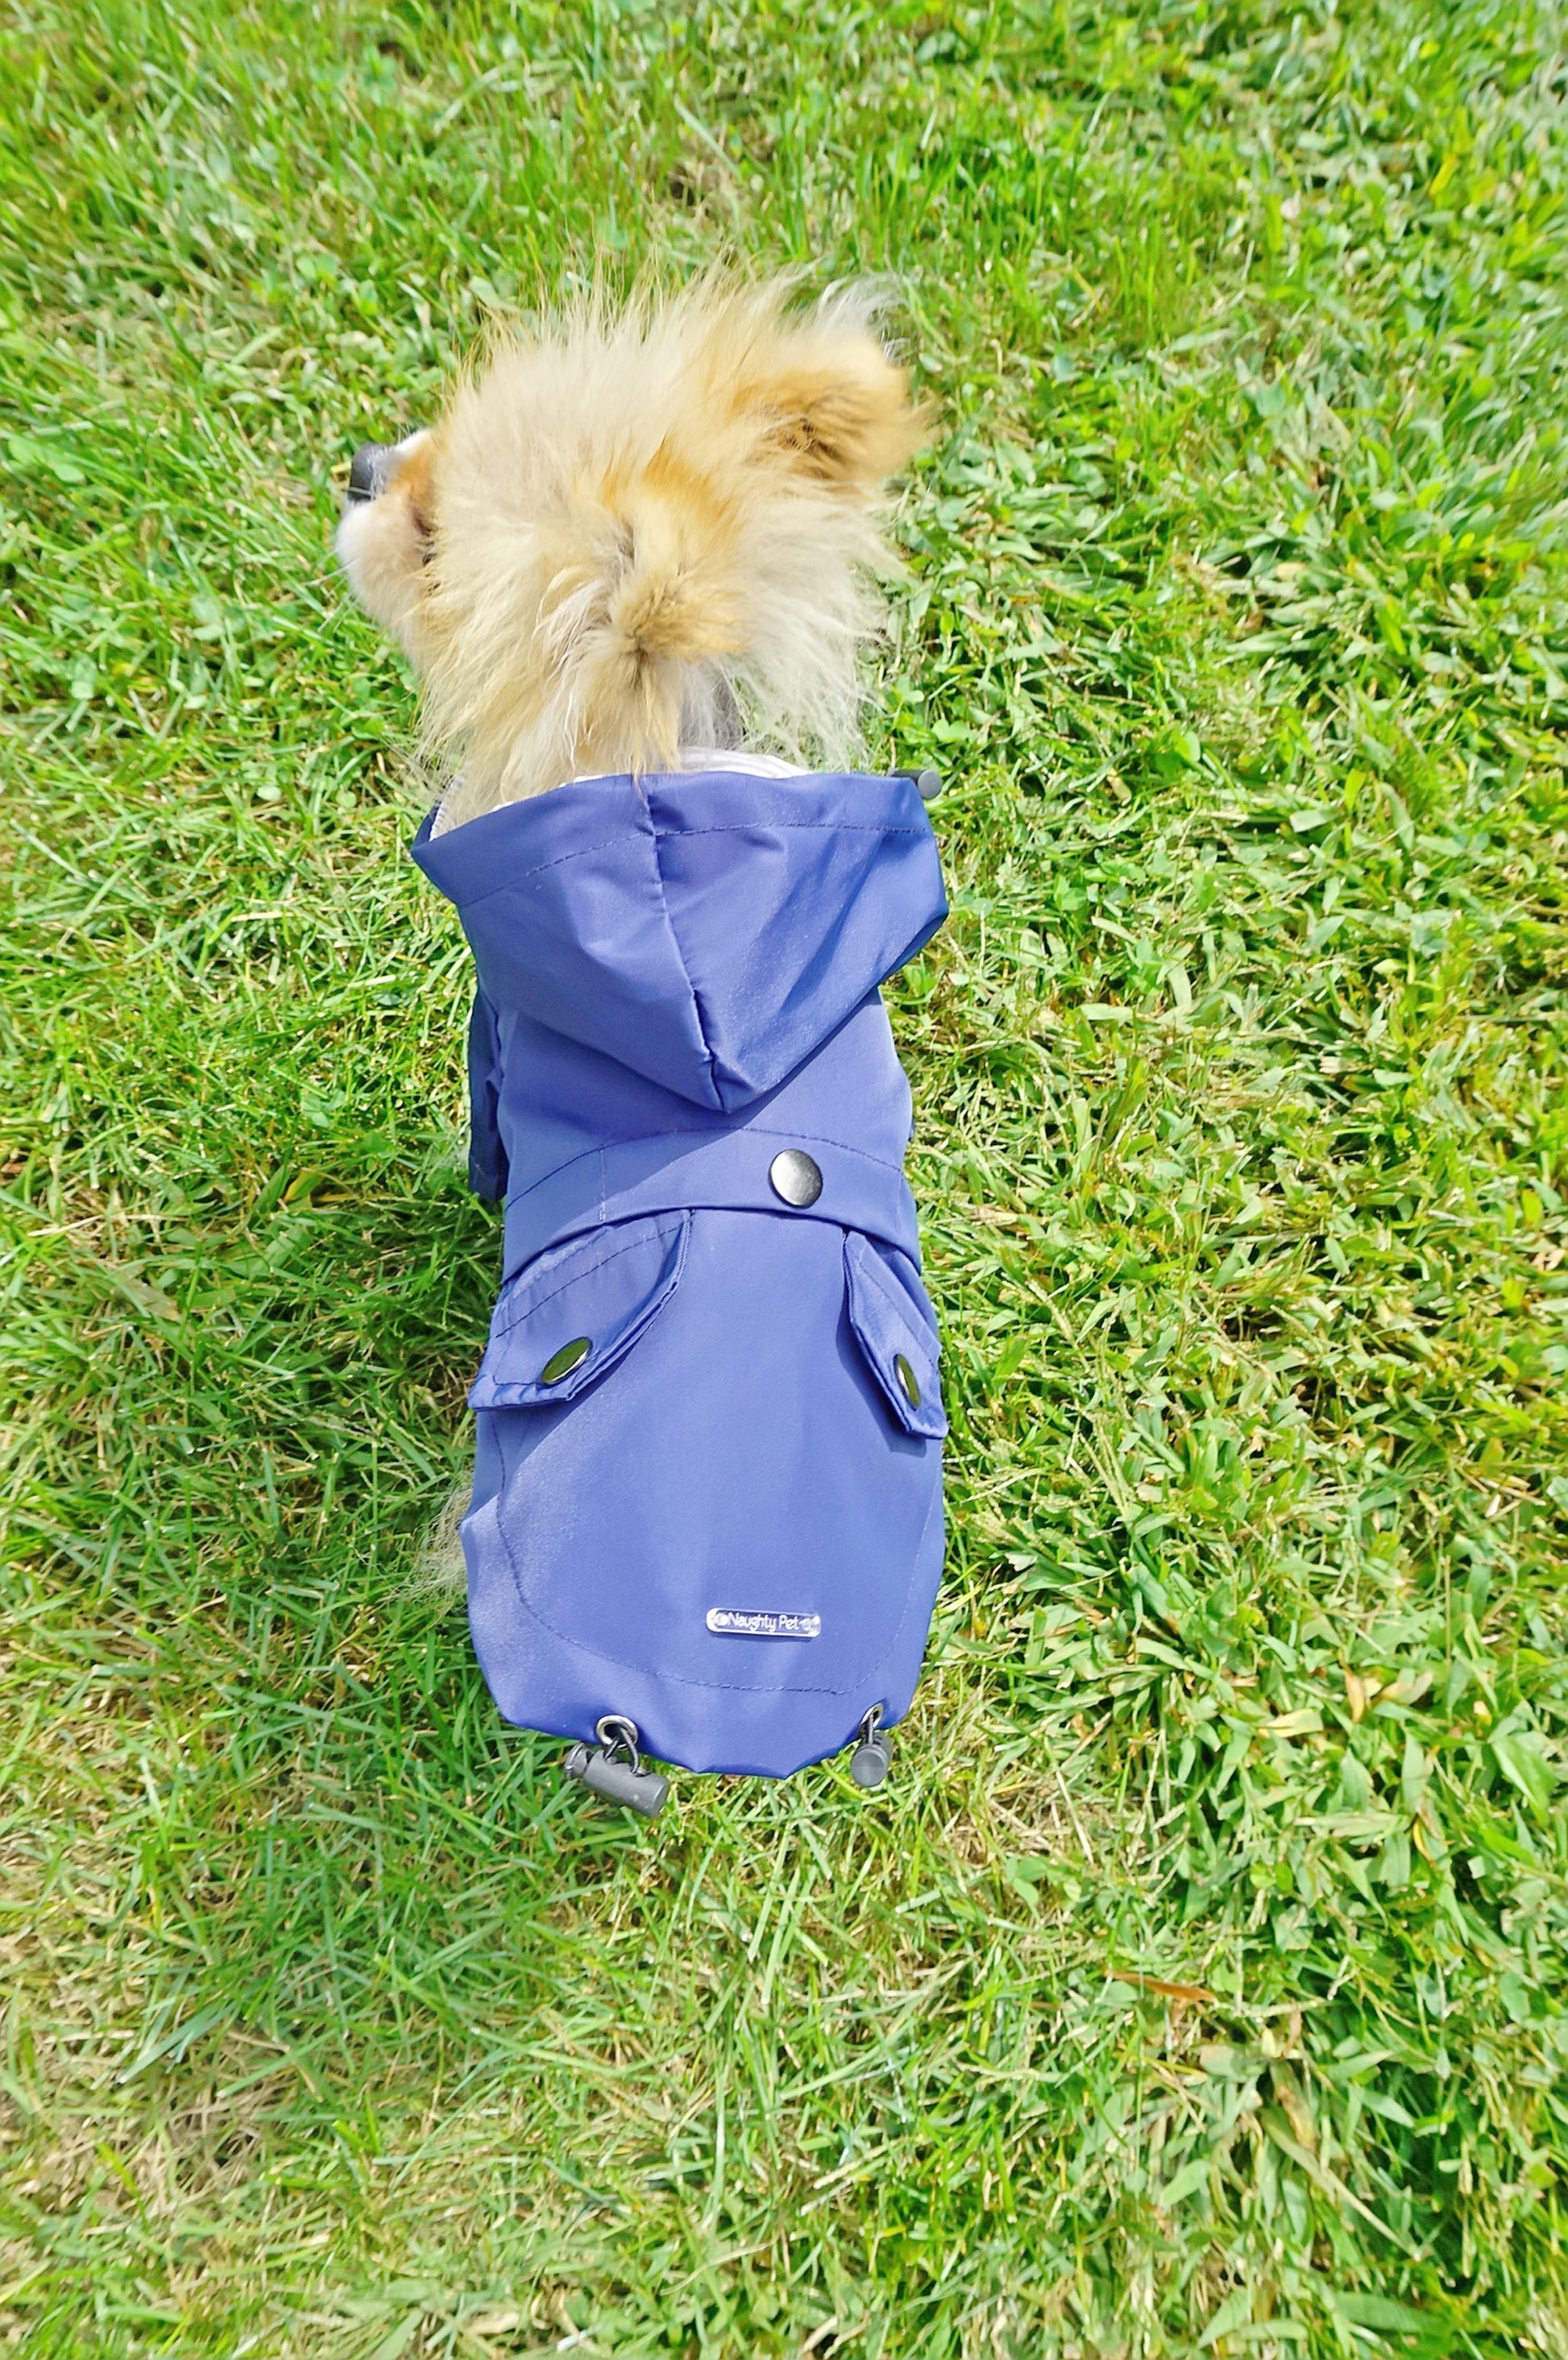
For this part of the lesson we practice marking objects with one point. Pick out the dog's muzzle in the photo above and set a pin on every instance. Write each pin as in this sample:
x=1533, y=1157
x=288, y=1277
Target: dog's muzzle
x=369, y=468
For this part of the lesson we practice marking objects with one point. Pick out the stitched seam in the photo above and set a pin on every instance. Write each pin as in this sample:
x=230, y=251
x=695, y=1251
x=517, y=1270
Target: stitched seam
x=800, y=826
x=760, y=1131
x=540, y=868
x=692, y=993
x=577, y=1275
x=932, y=1504
x=811, y=827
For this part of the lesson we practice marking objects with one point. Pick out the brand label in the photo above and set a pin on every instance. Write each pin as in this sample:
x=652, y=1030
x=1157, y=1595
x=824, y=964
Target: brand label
x=741, y=1622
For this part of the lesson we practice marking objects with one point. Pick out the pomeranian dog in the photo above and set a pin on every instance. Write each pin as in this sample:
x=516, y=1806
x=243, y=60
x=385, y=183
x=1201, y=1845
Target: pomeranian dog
x=637, y=537
x=634, y=565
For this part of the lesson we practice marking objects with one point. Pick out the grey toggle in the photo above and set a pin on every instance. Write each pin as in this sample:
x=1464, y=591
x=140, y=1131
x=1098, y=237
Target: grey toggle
x=614, y=1768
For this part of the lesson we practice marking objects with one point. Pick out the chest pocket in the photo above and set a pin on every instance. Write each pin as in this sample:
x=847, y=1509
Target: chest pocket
x=562, y=1323
x=896, y=1328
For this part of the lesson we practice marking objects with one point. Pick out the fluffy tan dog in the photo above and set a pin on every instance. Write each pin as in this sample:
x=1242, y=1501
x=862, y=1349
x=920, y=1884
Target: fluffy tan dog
x=636, y=536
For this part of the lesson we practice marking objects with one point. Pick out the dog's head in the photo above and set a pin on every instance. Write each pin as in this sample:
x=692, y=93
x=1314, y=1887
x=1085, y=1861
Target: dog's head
x=629, y=528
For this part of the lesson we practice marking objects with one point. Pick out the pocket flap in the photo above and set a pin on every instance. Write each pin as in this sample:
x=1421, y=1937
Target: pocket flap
x=896, y=1328
x=563, y=1322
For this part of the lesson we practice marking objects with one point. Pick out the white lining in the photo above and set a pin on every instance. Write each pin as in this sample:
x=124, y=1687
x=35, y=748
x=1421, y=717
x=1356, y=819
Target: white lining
x=690, y=757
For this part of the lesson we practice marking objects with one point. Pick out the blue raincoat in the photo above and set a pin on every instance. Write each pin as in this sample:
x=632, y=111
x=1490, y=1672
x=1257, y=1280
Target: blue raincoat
x=708, y=1493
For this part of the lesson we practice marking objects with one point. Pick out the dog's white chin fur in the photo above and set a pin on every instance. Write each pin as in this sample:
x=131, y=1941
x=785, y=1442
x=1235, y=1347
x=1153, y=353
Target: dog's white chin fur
x=378, y=546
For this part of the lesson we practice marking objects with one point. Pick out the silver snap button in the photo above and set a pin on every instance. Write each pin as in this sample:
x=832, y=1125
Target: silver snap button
x=561, y=1364
x=795, y=1177
x=908, y=1384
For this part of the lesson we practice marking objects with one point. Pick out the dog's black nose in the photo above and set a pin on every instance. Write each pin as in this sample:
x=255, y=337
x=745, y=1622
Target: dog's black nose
x=367, y=469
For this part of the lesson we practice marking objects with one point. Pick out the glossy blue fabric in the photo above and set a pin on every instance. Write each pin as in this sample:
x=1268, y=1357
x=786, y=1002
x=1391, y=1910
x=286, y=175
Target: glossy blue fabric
x=725, y=1520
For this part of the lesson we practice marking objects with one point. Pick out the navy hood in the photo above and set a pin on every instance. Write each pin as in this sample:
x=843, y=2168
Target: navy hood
x=706, y=930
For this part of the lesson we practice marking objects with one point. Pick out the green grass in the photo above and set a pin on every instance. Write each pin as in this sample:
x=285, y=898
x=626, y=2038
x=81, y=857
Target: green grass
x=334, y=2024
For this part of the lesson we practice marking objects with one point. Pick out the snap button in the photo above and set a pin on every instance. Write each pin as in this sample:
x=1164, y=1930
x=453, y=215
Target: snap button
x=795, y=1177
x=570, y=1356
x=908, y=1384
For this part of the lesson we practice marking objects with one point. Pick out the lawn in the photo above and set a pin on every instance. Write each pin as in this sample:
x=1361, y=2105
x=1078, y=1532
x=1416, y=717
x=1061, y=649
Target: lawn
x=1198, y=1984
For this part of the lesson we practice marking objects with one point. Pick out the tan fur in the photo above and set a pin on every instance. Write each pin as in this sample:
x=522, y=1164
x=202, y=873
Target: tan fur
x=625, y=526
x=439, y=1571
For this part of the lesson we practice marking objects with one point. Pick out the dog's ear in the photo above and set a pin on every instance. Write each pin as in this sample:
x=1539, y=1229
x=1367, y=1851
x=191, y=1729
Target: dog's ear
x=385, y=542
x=833, y=403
